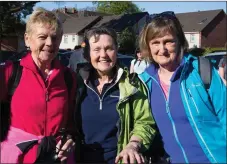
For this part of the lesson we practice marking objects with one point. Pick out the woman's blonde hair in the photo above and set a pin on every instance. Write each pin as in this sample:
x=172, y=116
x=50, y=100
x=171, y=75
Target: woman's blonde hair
x=159, y=27
x=43, y=16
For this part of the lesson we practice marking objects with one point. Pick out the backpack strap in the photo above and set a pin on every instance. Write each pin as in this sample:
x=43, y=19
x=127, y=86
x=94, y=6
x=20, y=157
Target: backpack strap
x=68, y=80
x=14, y=79
x=205, y=71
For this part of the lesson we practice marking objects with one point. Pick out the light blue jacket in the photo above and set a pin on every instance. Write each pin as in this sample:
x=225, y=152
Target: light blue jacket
x=206, y=110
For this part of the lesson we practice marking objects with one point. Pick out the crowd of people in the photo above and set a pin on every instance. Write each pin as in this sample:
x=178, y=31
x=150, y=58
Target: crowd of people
x=159, y=111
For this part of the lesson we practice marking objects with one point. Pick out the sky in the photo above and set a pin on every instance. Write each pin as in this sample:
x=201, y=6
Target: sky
x=151, y=7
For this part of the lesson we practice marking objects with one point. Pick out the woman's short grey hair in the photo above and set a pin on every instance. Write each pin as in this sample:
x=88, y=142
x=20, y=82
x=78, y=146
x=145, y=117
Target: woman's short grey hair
x=43, y=16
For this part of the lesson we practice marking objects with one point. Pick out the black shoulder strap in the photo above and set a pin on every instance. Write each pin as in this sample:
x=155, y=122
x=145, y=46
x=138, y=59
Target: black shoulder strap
x=68, y=80
x=14, y=79
x=205, y=71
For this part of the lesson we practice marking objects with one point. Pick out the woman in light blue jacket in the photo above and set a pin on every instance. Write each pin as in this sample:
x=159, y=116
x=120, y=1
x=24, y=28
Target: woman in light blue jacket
x=190, y=118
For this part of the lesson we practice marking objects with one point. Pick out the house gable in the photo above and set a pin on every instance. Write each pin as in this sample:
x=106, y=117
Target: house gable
x=196, y=21
x=214, y=34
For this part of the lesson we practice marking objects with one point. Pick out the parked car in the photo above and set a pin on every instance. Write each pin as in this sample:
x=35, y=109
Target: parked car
x=62, y=50
x=18, y=55
x=215, y=57
x=5, y=55
x=64, y=57
x=125, y=59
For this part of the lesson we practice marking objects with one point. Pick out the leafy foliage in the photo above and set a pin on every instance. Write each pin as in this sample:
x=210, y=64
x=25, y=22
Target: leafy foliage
x=11, y=14
x=214, y=49
x=127, y=41
x=116, y=8
x=205, y=50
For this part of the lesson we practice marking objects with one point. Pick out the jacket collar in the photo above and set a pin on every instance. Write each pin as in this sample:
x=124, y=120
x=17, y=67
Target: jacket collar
x=29, y=63
x=85, y=72
x=125, y=87
x=151, y=71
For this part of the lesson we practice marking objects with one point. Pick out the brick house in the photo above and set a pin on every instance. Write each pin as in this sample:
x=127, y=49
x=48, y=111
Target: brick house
x=204, y=28
x=75, y=24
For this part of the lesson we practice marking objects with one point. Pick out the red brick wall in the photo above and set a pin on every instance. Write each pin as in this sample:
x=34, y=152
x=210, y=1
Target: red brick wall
x=214, y=35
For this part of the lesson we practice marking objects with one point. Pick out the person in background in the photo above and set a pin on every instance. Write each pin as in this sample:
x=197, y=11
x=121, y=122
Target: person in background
x=77, y=57
x=139, y=64
x=191, y=119
x=113, y=112
x=42, y=104
x=223, y=69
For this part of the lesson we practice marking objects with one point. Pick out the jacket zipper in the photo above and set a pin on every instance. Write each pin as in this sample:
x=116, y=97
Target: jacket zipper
x=172, y=121
x=47, y=99
x=122, y=101
x=193, y=101
x=189, y=109
x=101, y=98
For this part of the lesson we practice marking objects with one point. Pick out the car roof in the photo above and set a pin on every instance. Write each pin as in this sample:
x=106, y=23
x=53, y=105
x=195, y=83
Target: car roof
x=124, y=56
x=216, y=53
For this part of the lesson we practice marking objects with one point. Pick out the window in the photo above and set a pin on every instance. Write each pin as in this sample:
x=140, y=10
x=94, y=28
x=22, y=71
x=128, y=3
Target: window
x=73, y=38
x=192, y=38
x=65, y=38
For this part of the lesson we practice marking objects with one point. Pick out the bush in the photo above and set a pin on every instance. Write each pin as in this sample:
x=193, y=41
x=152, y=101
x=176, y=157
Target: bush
x=214, y=49
x=196, y=51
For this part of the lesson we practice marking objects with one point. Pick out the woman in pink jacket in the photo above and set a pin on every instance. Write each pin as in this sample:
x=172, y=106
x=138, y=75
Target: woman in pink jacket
x=41, y=104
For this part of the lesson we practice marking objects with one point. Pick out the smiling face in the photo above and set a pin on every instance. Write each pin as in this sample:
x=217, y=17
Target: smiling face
x=103, y=53
x=44, y=42
x=164, y=50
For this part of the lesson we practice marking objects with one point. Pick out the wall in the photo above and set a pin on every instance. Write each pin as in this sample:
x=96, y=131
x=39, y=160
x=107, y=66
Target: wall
x=193, y=42
x=214, y=35
x=70, y=44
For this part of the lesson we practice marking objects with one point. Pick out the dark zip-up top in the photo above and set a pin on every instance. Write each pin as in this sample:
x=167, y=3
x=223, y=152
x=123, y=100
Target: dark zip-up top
x=99, y=122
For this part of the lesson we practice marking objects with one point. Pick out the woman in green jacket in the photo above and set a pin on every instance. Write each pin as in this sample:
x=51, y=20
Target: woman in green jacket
x=113, y=114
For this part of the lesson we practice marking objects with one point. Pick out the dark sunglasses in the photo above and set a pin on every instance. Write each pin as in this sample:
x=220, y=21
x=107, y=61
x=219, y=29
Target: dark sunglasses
x=167, y=14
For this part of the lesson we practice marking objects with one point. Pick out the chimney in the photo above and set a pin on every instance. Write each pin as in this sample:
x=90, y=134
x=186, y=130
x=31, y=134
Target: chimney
x=65, y=10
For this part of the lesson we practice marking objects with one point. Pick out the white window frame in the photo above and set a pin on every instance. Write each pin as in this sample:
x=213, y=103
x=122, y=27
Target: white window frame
x=192, y=38
x=65, y=38
x=73, y=38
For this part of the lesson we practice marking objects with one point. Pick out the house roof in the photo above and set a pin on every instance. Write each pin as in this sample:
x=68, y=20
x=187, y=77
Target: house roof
x=76, y=25
x=120, y=22
x=66, y=15
x=196, y=21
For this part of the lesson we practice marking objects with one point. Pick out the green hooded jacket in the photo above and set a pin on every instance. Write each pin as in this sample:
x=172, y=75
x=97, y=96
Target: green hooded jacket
x=133, y=108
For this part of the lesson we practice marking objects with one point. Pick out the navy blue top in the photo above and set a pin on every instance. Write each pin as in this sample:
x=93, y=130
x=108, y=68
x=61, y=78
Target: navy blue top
x=179, y=139
x=99, y=122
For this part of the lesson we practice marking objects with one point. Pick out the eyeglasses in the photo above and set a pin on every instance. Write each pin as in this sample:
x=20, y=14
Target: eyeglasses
x=167, y=14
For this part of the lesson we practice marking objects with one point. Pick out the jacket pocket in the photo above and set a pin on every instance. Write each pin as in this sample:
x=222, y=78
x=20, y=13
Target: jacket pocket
x=201, y=106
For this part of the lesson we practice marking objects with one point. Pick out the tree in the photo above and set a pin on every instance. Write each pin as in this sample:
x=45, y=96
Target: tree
x=127, y=41
x=116, y=8
x=11, y=14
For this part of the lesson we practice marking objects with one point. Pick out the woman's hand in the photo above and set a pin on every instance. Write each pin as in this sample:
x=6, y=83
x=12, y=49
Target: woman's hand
x=130, y=154
x=66, y=149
